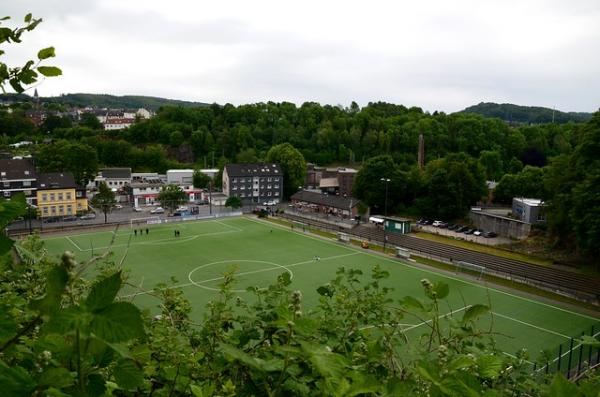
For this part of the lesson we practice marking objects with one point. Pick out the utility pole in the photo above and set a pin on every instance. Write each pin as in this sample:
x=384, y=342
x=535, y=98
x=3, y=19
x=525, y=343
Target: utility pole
x=386, y=180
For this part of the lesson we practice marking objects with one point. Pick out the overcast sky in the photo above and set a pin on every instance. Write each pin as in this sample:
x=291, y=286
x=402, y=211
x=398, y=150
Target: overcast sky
x=439, y=55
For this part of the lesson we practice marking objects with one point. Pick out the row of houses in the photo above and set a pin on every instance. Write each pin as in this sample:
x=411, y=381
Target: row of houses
x=53, y=193
x=111, y=119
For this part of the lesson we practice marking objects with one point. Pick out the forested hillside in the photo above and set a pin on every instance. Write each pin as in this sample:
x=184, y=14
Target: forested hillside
x=106, y=101
x=526, y=114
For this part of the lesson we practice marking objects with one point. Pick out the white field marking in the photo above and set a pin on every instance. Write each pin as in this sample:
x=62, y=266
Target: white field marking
x=76, y=246
x=239, y=274
x=432, y=272
x=450, y=313
x=531, y=325
x=170, y=239
x=230, y=226
x=513, y=356
x=566, y=352
x=159, y=228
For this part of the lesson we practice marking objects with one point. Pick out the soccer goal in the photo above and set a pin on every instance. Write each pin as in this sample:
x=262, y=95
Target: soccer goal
x=150, y=220
x=470, y=268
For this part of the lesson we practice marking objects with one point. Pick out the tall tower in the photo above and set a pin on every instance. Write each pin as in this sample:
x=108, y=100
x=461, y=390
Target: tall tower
x=421, y=154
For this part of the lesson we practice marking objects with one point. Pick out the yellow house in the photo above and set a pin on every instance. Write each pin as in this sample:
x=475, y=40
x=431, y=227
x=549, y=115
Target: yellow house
x=59, y=195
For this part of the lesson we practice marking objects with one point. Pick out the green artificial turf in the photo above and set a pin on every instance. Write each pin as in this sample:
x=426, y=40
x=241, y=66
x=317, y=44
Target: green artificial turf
x=261, y=250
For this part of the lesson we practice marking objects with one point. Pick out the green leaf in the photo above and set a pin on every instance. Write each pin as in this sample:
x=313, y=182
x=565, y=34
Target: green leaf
x=325, y=290
x=328, y=364
x=196, y=391
x=412, y=302
x=68, y=320
x=28, y=77
x=461, y=362
x=96, y=385
x=46, y=53
x=587, y=340
x=118, y=322
x=128, y=375
x=56, y=281
x=561, y=387
x=474, y=312
x=49, y=71
x=103, y=293
x=8, y=326
x=441, y=289
x=27, y=18
x=56, y=377
x=489, y=366
x=15, y=381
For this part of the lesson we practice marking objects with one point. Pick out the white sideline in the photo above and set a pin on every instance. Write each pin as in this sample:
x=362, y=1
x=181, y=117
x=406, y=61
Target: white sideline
x=531, y=325
x=73, y=242
x=450, y=313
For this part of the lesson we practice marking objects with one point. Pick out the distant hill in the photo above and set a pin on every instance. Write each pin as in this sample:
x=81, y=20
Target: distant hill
x=525, y=114
x=107, y=101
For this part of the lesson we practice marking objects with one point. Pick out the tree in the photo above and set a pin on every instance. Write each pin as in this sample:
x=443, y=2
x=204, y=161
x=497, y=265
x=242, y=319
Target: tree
x=171, y=197
x=292, y=164
x=62, y=156
x=201, y=180
x=91, y=121
x=233, y=202
x=21, y=77
x=492, y=164
x=10, y=210
x=176, y=138
x=104, y=200
x=450, y=186
x=527, y=183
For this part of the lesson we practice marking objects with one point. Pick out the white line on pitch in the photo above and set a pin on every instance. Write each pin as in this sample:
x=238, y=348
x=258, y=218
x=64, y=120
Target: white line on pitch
x=239, y=274
x=450, y=313
x=73, y=242
x=233, y=227
x=531, y=325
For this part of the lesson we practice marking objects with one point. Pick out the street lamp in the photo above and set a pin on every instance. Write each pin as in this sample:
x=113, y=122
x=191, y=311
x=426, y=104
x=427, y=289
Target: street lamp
x=386, y=180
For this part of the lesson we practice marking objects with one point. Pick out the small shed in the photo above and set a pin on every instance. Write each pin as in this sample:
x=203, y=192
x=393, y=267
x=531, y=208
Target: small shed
x=396, y=225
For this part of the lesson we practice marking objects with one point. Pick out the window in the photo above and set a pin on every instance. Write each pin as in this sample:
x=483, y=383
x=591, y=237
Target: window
x=60, y=197
x=248, y=179
x=53, y=209
x=242, y=187
x=61, y=209
x=269, y=186
x=45, y=210
x=276, y=193
x=26, y=172
x=44, y=197
x=27, y=192
x=2, y=173
x=79, y=194
x=242, y=195
x=269, y=194
x=52, y=198
x=277, y=179
x=68, y=195
x=69, y=209
x=276, y=186
x=6, y=184
x=234, y=188
x=269, y=179
x=234, y=180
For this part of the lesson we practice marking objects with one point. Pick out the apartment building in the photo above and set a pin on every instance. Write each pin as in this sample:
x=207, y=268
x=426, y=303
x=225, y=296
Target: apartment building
x=253, y=183
x=59, y=195
x=18, y=176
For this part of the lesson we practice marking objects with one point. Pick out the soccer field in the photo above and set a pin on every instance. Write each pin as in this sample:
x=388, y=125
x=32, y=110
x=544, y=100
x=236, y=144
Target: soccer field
x=261, y=250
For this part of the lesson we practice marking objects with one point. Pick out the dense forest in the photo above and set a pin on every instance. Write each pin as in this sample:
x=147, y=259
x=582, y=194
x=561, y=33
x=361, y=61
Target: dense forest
x=103, y=101
x=516, y=114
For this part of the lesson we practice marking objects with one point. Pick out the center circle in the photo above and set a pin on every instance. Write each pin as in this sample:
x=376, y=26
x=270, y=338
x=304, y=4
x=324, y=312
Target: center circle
x=234, y=261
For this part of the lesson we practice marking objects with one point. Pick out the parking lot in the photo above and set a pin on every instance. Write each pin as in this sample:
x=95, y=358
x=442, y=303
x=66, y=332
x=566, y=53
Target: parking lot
x=462, y=236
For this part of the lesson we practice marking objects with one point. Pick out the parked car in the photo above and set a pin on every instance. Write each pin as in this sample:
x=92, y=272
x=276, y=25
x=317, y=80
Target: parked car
x=158, y=210
x=70, y=218
x=443, y=225
x=117, y=206
x=89, y=216
x=137, y=209
x=436, y=223
x=490, y=234
x=469, y=231
x=53, y=219
x=461, y=229
x=453, y=226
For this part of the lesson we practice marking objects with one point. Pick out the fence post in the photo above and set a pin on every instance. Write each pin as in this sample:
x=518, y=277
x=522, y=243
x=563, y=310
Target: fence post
x=590, y=349
x=570, y=355
x=580, y=356
x=559, y=358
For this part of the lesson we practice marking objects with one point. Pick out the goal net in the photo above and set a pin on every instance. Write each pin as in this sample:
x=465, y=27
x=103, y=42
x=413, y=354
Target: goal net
x=470, y=268
x=150, y=220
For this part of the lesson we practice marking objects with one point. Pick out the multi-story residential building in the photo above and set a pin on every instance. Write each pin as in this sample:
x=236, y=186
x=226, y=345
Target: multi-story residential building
x=115, y=178
x=18, y=176
x=253, y=183
x=59, y=195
